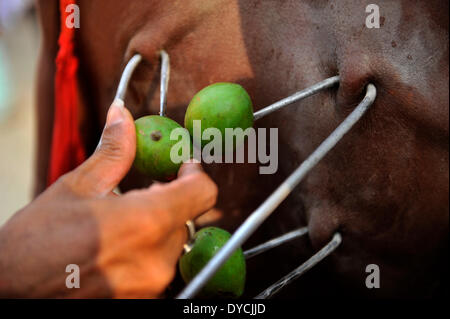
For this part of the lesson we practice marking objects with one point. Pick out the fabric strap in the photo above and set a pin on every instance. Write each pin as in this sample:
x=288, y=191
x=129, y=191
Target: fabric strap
x=67, y=150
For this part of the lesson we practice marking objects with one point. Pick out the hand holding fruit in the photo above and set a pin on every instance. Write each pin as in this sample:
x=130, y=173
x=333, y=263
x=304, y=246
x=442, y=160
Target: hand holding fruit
x=125, y=246
x=221, y=106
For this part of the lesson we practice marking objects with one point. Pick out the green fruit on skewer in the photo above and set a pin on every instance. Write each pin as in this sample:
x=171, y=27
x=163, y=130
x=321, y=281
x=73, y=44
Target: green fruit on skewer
x=229, y=281
x=220, y=105
x=153, y=146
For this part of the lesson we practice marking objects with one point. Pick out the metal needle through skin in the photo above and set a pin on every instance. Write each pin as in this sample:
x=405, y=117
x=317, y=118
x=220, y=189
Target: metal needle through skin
x=165, y=74
x=313, y=89
x=126, y=76
x=315, y=259
x=275, y=199
x=164, y=85
x=275, y=242
x=254, y=220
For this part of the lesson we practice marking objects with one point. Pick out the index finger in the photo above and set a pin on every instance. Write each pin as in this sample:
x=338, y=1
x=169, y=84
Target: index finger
x=185, y=198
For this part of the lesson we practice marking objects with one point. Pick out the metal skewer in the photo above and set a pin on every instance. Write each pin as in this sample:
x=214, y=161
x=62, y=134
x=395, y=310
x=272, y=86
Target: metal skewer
x=272, y=202
x=164, y=86
x=191, y=233
x=314, y=260
x=250, y=225
x=165, y=74
x=275, y=242
x=126, y=76
x=315, y=88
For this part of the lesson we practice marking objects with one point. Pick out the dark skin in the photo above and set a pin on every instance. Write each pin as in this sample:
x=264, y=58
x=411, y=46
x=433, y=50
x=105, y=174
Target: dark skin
x=44, y=93
x=384, y=186
x=125, y=246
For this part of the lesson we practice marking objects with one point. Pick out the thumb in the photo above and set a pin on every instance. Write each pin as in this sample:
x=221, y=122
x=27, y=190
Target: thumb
x=114, y=155
x=189, y=167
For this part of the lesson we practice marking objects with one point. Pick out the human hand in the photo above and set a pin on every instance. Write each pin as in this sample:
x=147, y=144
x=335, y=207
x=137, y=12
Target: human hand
x=125, y=246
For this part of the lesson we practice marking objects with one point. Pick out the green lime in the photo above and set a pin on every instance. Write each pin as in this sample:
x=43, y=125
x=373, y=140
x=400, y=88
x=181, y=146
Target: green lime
x=229, y=281
x=153, y=147
x=221, y=106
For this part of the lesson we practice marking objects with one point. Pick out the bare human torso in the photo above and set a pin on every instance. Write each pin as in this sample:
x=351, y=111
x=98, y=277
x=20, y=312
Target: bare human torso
x=384, y=187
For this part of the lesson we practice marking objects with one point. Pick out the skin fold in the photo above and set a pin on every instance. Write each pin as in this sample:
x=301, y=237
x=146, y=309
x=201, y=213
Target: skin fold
x=384, y=187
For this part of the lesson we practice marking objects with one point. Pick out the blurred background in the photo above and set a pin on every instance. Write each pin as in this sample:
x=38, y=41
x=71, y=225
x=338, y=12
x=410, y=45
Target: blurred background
x=19, y=45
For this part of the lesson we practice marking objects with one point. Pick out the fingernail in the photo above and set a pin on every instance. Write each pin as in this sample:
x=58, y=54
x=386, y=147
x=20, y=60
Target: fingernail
x=115, y=116
x=115, y=113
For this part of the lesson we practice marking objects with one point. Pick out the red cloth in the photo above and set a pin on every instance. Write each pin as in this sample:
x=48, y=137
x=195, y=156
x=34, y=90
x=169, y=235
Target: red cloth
x=67, y=150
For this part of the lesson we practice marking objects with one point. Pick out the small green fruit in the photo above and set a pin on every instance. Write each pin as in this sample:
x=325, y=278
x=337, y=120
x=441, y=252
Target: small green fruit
x=229, y=281
x=220, y=105
x=153, y=146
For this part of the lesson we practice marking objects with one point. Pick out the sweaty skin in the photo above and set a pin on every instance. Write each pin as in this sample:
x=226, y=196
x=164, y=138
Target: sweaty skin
x=385, y=185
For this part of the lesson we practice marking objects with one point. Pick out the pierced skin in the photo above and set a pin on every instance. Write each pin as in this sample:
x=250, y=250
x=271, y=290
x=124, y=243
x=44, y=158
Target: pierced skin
x=384, y=186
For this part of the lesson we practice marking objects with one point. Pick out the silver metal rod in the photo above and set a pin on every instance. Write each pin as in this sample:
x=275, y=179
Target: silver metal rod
x=126, y=76
x=275, y=242
x=268, y=206
x=327, y=83
x=315, y=259
x=191, y=233
x=165, y=75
